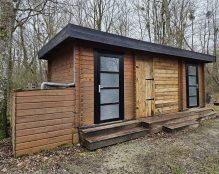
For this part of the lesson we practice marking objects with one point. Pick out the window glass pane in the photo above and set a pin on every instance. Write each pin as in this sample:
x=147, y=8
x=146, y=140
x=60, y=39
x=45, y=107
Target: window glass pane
x=109, y=96
x=192, y=91
x=109, y=111
x=192, y=80
x=109, y=64
x=109, y=80
x=192, y=101
x=192, y=70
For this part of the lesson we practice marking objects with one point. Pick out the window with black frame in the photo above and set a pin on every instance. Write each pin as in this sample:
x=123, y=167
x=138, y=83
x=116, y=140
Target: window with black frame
x=192, y=85
x=109, y=87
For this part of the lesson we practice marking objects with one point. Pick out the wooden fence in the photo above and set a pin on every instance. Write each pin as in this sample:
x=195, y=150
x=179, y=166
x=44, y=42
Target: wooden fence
x=42, y=119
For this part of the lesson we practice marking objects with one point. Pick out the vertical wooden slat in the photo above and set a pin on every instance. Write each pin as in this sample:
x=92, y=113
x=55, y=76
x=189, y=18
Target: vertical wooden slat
x=129, y=86
x=144, y=86
x=13, y=121
x=149, y=85
x=184, y=95
x=140, y=88
x=180, y=101
x=201, y=85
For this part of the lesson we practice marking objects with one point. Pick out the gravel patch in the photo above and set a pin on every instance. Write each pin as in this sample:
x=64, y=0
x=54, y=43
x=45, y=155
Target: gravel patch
x=188, y=151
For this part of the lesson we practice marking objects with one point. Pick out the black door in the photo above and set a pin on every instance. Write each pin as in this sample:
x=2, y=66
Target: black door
x=109, y=86
x=192, y=85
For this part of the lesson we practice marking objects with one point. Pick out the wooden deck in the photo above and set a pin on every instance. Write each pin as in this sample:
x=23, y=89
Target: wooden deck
x=105, y=135
x=179, y=119
x=97, y=136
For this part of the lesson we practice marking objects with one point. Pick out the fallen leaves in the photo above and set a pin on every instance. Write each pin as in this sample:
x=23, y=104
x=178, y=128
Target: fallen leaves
x=45, y=160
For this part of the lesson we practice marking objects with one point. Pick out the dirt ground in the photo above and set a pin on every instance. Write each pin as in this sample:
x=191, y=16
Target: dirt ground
x=189, y=151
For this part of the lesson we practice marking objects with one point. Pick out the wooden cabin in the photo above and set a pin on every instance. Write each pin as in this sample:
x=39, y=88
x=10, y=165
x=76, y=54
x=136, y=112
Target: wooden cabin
x=123, y=88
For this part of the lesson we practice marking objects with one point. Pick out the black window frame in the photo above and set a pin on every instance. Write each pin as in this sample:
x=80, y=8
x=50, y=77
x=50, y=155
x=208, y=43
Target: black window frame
x=106, y=53
x=187, y=84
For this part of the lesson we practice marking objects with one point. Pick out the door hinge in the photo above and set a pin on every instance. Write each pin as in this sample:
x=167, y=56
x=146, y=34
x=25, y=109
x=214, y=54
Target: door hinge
x=150, y=99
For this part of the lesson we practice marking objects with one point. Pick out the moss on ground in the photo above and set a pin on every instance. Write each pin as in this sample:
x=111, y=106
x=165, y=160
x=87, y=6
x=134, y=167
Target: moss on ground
x=2, y=134
x=86, y=154
x=216, y=108
x=207, y=123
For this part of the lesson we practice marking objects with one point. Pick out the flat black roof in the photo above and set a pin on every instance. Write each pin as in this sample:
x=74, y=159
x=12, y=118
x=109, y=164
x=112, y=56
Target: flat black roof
x=72, y=31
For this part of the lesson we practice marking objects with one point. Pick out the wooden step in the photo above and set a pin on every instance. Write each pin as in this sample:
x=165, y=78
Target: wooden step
x=96, y=142
x=193, y=116
x=155, y=124
x=205, y=111
x=207, y=116
x=110, y=128
x=102, y=124
x=177, y=126
x=167, y=117
x=200, y=109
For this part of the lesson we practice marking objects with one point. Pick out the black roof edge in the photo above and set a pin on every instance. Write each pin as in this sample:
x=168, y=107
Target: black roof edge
x=87, y=34
x=55, y=41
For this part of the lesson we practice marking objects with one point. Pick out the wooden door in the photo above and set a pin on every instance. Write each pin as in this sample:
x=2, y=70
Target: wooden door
x=144, y=87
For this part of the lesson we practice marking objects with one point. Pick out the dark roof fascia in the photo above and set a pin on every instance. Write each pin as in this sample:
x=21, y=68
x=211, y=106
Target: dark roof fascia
x=55, y=41
x=87, y=34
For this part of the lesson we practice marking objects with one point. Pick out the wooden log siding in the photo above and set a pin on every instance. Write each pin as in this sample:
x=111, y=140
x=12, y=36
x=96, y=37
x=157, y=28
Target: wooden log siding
x=84, y=79
x=183, y=82
x=201, y=81
x=129, y=86
x=166, y=85
x=42, y=119
x=60, y=65
x=86, y=70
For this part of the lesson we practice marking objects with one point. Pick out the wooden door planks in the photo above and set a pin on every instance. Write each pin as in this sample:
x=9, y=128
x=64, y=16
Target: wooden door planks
x=157, y=85
x=144, y=86
x=166, y=85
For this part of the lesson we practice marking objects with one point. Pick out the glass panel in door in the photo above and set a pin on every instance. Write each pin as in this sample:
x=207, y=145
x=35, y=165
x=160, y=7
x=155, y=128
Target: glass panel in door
x=109, y=88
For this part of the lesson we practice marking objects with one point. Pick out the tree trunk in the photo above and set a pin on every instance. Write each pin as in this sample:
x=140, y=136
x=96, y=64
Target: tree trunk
x=7, y=19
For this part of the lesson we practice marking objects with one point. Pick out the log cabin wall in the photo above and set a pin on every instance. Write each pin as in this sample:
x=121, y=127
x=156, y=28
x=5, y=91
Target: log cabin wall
x=61, y=69
x=85, y=69
x=60, y=65
x=168, y=87
x=42, y=119
x=129, y=86
x=84, y=79
x=157, y=87
x=166, y=72
x=183, y=86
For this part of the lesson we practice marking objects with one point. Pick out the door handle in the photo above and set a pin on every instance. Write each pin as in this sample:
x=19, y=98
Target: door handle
x=197, y=86
x=100, y=87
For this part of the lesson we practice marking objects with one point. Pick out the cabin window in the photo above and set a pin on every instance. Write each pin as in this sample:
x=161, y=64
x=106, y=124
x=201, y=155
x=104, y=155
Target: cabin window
x=192, y=85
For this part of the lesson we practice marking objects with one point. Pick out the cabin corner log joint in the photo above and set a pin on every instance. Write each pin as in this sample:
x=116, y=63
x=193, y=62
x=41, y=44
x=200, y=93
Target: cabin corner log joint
x=121, y=86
